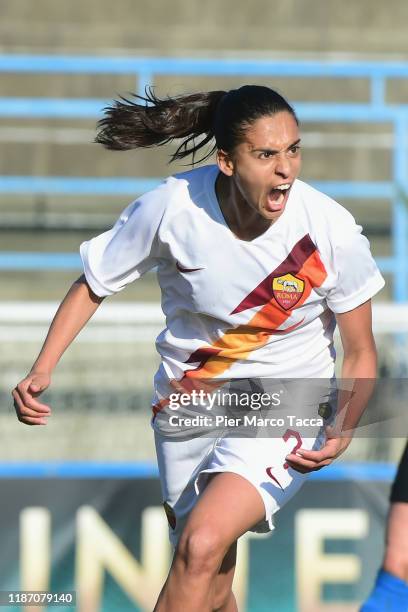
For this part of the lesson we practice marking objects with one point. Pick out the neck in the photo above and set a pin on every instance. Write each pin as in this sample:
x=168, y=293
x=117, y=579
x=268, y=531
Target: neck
x=243, y=220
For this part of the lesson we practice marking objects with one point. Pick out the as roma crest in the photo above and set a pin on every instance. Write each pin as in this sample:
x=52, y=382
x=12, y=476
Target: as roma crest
x=287, y=290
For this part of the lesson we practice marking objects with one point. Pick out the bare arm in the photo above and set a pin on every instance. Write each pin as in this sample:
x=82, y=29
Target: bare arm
x=75, y=310
x=360, y=368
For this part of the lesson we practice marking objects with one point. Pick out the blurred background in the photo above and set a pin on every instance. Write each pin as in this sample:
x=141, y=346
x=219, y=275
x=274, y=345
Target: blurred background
x=345, y=70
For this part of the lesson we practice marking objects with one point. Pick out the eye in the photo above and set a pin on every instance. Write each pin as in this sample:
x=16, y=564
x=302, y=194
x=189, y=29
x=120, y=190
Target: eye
x=294, y=150
x=266, y=155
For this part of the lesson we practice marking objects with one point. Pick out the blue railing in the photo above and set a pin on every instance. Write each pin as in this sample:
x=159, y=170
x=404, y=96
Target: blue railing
x=375, y=110
x=111, y=469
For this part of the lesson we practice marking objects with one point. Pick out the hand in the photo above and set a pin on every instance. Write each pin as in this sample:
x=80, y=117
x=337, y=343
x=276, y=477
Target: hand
x=305, y=461
x=28, y=409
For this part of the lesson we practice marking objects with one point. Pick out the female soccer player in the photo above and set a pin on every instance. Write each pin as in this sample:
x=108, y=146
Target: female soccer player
x=255, y=267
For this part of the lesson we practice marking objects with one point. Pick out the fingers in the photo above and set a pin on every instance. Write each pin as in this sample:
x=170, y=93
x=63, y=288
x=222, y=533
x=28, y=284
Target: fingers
x=26, y=390
x=35, y=388
x=319, y=455
x=309, y=460
x=28, y=409
x=26, y=415
x=304, y=466
x=30, y=402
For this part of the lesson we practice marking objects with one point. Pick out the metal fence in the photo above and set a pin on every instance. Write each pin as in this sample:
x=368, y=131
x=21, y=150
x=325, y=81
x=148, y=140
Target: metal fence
x=375, y=110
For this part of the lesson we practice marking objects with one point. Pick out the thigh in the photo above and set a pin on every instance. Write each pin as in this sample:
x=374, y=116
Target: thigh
x=228, y=507
x=262, y=462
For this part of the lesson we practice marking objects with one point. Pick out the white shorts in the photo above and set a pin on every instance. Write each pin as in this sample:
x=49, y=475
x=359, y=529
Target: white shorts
x=183, y=466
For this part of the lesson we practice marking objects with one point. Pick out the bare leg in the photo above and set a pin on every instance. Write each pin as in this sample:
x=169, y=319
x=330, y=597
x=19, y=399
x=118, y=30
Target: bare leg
x=229, y=606
x=223, y=583
x=396, y=554
x=228, y=507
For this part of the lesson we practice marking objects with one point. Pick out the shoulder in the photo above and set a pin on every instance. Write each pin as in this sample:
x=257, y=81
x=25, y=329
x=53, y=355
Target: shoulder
x=327, y=210
x=196, y=181
x=184, y=186
x=187, y=195
x=329, y=222
x=170, y=194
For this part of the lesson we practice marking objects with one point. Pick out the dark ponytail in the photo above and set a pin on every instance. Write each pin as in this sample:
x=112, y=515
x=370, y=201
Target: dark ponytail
x=146, y=121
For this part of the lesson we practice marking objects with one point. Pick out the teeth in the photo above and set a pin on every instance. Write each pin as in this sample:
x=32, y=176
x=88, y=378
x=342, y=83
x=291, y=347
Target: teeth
x=282, y=187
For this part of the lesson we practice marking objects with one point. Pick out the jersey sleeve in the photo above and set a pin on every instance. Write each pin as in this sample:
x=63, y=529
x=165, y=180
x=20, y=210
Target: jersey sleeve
x=130, y=248
x=358, y=277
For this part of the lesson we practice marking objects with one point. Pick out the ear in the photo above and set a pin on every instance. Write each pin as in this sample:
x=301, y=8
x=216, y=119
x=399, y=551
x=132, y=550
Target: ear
x=225, y=163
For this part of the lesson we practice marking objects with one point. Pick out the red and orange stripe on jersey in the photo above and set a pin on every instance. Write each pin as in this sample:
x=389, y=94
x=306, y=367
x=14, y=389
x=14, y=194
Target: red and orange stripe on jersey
x=304, y=266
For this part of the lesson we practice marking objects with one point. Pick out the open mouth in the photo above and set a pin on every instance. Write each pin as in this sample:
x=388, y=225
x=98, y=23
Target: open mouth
x=277, y=197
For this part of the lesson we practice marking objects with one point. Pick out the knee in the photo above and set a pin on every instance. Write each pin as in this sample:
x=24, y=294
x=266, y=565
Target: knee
x=201, y=551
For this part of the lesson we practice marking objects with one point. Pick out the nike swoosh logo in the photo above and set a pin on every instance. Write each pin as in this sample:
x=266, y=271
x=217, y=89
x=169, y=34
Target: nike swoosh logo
x=180, y=268
x=269, y=472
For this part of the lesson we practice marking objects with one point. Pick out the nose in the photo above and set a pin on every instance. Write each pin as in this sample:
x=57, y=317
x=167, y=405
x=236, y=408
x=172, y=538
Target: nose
x=282, y=167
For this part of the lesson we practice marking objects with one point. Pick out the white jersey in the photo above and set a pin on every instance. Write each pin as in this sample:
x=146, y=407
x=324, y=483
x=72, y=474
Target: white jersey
x=236, y=308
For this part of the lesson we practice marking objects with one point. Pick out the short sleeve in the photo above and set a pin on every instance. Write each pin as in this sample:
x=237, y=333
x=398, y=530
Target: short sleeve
x=122, y=254
x=357, y=276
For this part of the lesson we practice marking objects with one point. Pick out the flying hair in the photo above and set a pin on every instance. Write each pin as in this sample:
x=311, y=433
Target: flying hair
x=196, y=119
x=148, y=121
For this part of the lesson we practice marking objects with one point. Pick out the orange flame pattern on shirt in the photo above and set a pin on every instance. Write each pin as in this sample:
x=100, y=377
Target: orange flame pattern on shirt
x=237, y=343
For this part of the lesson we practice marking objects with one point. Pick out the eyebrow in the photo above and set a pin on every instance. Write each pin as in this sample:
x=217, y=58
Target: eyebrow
x=274, y=150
